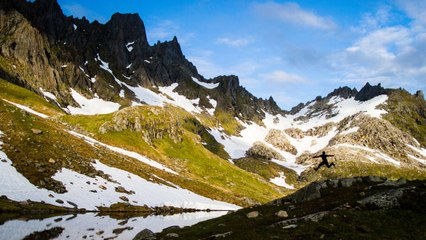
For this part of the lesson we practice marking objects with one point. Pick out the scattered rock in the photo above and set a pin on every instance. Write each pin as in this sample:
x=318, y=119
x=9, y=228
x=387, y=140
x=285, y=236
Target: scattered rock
x=220, y=235
x=314, y=217
x=36, y=131
x=121, y=189
x=144, y=235
x=282, y=214
x=172, y=235
x=102, y=187
x=4, y=160
x=253, y=214
x=120, y=230
x=374, y=179
x=59, y=201
x=398, y=183
x=124, y=198
x=383, y=200
x=290, y=226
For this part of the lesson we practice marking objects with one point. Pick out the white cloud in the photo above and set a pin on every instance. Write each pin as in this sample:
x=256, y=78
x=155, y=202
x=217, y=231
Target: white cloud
x=292, y=13
x=235, y=42
x=391, y=55
x=415, y=9
x=279, y=76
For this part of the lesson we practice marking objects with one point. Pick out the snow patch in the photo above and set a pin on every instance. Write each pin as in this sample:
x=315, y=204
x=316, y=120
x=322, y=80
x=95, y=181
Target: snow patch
x=214, y=104
x=48, y=95
x=349, y=131
x=91, y=106
x=129, y=46
x=422, y=161
x=65, y=65
x=205, y=84
x=421, y=151
x=27, y=109
x=87, y=75
x=190, y=105
x=75, y=26
x=387, y=158
x=280, y=181
x=376, y=152
x=121, y=94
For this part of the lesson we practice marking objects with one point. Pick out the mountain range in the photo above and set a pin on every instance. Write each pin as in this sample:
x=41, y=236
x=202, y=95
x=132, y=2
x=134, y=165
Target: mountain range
x=93, y=117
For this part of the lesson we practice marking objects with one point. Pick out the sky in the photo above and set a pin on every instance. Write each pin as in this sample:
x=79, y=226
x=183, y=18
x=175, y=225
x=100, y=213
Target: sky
x=290, y=50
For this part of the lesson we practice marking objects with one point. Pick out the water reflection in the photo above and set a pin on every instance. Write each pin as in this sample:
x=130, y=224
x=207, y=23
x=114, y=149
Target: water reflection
x=91, y=226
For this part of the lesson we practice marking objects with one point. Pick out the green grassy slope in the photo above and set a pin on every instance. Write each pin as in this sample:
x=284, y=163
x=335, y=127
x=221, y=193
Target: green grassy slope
x=408, y=113
x=183, y=150
x=16, y=94
x=195, y=157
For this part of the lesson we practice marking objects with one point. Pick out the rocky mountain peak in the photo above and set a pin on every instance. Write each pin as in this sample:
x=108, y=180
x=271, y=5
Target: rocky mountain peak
x=344, y=92
x=368, y=92
x=127, y=28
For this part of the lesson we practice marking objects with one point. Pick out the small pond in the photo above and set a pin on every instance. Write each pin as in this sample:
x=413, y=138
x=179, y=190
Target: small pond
x=93, y=226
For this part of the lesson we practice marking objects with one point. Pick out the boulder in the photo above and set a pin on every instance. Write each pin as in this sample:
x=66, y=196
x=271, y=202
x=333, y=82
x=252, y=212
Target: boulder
x=145, y=234
x=281, y=214
x=36, y=131
x=253, y=214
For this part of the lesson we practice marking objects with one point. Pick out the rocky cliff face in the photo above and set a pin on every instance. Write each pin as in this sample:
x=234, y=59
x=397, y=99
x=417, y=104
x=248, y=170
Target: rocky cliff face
x=43, y=50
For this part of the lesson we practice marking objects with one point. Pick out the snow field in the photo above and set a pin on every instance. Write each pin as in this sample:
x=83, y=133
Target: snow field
x=205, y=84
x=91, y=106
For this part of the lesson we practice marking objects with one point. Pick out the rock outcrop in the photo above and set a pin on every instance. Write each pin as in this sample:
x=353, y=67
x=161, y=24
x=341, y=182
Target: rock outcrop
x=279, y=140
x=261, y=150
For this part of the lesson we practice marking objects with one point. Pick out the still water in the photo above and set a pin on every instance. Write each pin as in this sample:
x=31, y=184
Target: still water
x=91, y=226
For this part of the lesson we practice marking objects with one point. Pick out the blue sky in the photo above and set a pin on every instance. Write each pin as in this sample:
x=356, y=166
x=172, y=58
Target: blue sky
x=291, y=50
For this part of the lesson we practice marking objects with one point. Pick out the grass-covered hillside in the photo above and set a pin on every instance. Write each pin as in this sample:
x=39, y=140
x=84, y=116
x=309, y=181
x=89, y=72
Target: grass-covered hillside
x=41, y=147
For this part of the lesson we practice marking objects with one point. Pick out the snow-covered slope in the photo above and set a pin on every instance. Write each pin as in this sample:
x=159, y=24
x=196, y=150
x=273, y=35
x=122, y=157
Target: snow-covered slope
x=311, y=130
x=92, y=192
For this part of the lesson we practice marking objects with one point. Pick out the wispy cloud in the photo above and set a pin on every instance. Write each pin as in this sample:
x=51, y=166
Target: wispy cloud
x=280, y=76
x=79, y=11
x=292, y=13
x=415, y=9
x=164, y=30
x=235, y=42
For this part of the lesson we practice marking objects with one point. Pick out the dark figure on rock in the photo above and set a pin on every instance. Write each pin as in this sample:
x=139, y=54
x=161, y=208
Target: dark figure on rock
x=324, y=156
